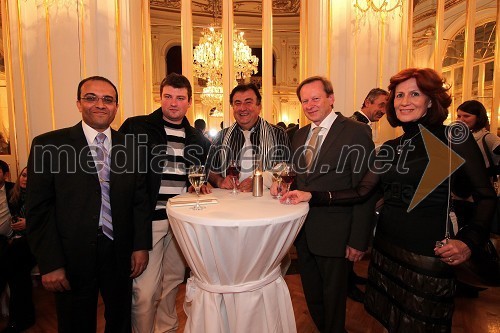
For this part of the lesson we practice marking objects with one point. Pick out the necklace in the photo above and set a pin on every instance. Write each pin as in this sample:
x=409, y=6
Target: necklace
x=400, y=147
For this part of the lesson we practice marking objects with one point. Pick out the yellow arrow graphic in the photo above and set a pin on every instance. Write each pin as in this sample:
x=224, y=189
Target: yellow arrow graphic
x=443, y=161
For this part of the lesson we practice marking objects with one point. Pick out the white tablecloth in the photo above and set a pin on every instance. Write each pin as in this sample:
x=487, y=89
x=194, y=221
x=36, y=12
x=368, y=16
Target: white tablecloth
x=234, y=249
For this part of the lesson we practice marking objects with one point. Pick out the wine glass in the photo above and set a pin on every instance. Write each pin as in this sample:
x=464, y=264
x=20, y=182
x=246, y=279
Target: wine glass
x=287, y=177
x=233, y=171
x=276, y=170
x=196, y=175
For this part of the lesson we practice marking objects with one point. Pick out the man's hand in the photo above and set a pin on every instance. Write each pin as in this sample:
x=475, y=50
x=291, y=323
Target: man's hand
x=352, y=254
x=56, y=281
x=246, y=185
x=20, y=225
x=139, y=262
x=204, y=189
x=227, y=183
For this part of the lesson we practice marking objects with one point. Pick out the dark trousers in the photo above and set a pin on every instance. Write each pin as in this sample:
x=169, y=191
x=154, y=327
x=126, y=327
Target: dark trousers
x=20, y=262
x=324, y=280
x=77, y=308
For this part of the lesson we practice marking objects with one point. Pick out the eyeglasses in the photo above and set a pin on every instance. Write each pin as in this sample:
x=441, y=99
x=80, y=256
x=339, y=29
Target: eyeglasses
x=94, y=99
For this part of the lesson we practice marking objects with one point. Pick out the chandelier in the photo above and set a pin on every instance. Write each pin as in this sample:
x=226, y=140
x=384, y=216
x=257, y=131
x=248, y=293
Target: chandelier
x=208, y=63
x=208, y=56
x=380, y=8
x=212, y=95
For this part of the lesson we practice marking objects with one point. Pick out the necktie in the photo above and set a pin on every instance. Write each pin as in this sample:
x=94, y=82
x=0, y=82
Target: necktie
x=312, y=148
x=102, y=164
x=246, y=157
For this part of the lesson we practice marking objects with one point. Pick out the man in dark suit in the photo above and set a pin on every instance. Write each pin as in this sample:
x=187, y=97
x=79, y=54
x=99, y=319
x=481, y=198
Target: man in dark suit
x=373, y=108
x=331, y=236
x=87, y=213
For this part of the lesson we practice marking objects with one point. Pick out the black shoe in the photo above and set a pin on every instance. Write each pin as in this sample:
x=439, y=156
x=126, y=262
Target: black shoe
x=356, y=294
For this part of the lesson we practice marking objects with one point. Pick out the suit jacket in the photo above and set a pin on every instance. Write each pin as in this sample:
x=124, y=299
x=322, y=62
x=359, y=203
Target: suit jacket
x=330, y=229
x=64, y=202
x=196, y=147
x=358, y=116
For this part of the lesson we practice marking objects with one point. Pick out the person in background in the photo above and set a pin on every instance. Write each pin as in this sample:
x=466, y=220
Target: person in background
x=473, y=114
x=173, y=145
x=5, y=217
x=282, y=125
x=201, y=126
x=248, y=136
x=5, y=223
x=87, y=213
x=373, y=108
x=330, y=238
x=291, y=129
x=411, y=279
x=19, y=262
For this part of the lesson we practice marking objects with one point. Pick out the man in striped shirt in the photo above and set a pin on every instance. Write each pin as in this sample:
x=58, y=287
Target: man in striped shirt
x=172, y=144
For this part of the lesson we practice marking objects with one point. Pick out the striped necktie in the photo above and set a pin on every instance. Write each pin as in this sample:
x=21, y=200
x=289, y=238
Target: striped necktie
x=102, y=164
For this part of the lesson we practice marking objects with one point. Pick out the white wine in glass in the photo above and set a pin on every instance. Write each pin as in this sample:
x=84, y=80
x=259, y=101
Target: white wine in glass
x=196, y=175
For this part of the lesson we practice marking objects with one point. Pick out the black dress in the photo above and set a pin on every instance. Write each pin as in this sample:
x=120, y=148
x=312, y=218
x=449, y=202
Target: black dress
x=409, y=289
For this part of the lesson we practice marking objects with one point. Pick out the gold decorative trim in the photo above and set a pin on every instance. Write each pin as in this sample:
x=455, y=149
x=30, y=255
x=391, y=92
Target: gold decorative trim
x=83, y=57
x=22, y=75
x=329, y=48
x=49, y=65
x=10, y=80
x=381, y=49
x=119, y=56
x=144, y=35
x=355, y=61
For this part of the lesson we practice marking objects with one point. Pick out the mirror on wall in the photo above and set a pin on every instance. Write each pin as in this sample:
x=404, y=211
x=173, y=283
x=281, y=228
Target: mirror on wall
x=286, y=62
x=452, y=47
x=247, y=19
x=165, y=42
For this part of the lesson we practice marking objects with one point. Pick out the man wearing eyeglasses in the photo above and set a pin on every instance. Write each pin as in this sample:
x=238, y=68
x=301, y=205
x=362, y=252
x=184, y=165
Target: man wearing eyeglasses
x=87, y=217
x=173, y=145
x=250, y=135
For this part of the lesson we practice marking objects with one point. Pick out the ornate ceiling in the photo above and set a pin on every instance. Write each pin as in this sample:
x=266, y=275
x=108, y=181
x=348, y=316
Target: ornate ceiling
x=240, y=7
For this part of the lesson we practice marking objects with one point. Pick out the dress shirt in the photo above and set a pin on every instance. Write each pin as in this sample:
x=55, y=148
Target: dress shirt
x=325, y=128
x=91, y=133
x=369, y=123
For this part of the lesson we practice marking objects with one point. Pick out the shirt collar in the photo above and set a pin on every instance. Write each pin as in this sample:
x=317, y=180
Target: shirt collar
x=369, y=123
x=326, y=123
x=91, y=133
